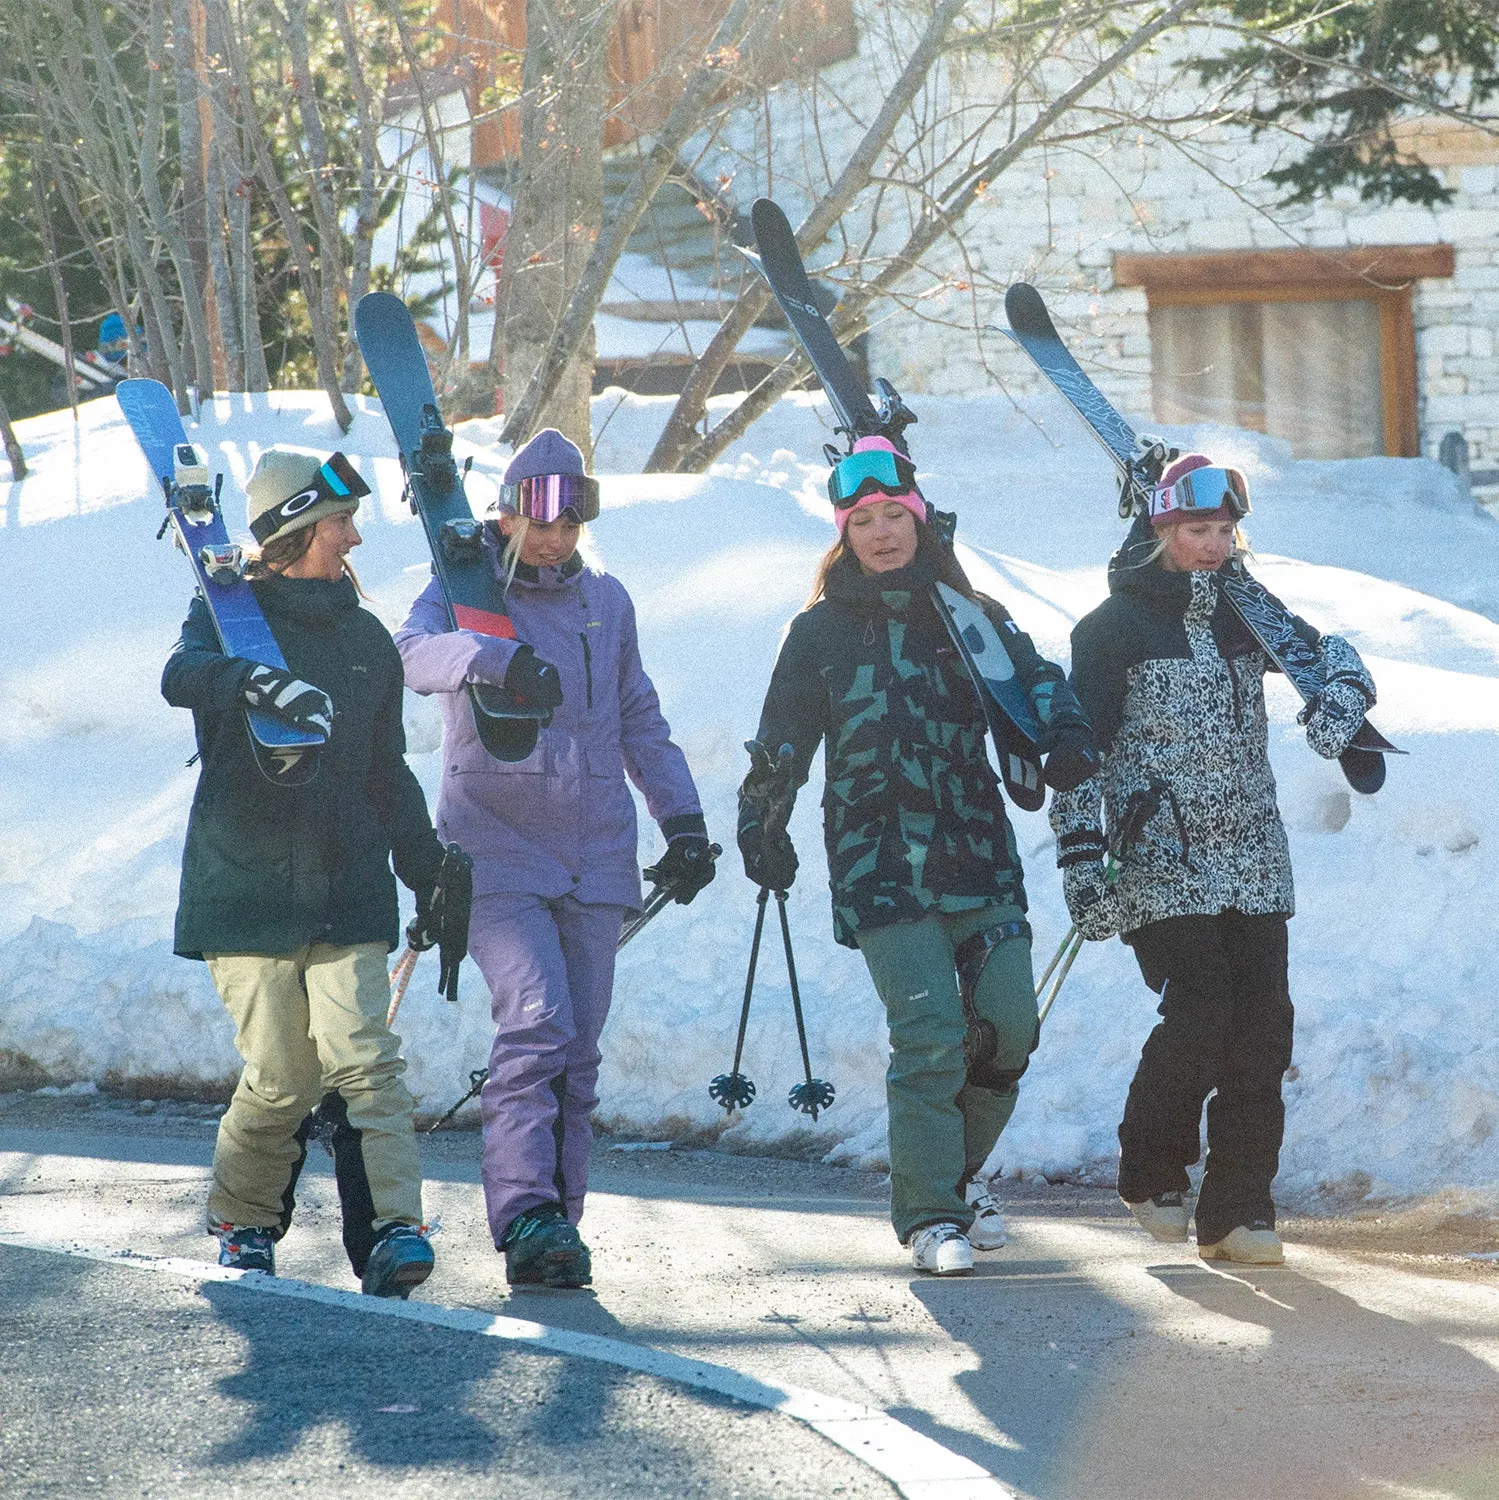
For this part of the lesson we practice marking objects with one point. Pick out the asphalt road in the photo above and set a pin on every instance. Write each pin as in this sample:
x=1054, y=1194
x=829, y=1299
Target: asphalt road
x=1084, y=1362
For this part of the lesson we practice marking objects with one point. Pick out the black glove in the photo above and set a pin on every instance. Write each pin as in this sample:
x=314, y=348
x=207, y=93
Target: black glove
x=687, y=866
x=532, y=682
x=1072, y=757
x=299, y=703
x=769, y=859
x=1091, y=900
x=441, y=919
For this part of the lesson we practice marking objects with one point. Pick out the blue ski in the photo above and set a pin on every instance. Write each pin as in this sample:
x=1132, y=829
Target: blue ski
x=284, y=754
x=474, y=596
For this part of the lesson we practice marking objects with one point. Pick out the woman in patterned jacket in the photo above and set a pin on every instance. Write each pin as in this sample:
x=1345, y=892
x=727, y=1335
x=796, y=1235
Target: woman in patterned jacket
x=1174, y=686
x=925, y=876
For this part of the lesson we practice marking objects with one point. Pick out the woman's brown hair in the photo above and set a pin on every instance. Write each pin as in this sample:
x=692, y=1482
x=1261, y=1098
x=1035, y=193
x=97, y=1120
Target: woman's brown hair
x=928, y=545
x=281, y=552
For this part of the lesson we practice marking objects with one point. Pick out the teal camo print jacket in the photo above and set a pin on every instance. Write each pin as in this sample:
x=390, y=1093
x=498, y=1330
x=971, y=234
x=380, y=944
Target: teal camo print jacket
x=913, y=817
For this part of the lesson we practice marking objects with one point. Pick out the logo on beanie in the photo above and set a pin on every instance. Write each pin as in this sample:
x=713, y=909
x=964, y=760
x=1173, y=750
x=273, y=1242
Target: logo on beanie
x=297, y=504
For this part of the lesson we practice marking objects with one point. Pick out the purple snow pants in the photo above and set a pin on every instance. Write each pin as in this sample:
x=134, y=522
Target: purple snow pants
x=549, y=965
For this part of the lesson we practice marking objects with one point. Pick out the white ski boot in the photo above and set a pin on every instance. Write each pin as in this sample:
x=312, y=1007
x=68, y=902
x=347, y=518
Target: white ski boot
x=987, y=1232
x=1164, y=1217
x=942, y=1249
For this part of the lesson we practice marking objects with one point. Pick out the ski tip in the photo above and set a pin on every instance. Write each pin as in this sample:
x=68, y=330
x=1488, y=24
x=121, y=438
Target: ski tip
x=768, y=217
x=1023, y=303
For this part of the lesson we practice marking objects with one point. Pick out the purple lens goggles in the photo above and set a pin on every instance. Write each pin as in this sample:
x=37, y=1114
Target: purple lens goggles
x=547, y=497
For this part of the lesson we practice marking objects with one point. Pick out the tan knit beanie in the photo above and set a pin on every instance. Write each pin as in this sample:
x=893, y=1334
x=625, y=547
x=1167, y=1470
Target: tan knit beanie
x=292, y=488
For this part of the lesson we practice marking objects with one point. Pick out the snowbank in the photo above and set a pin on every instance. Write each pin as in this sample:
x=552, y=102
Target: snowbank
x=1393, y=965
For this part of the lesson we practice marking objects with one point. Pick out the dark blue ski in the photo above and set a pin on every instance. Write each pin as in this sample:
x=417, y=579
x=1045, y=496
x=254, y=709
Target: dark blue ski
x=285, y=755
x=474, y=596
x=1266, y=618
x=1007, y=709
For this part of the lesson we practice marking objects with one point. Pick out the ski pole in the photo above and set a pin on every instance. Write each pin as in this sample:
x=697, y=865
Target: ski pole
x=400, y=977
x=732, y=1089
x=658, y=898
x=476, y=1081
x=815, y=1093
x=1072, y=945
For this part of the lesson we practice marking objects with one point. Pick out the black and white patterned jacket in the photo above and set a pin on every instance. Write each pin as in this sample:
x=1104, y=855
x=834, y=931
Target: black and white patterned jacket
x=1174, y=686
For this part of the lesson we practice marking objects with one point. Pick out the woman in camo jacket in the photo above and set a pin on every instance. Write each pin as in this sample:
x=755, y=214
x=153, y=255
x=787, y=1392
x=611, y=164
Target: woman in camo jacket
x=1174, y=686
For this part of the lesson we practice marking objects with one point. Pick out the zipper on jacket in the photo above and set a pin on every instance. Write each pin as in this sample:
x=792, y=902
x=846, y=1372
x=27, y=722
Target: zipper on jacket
x=1233, y=687
x=587, y=665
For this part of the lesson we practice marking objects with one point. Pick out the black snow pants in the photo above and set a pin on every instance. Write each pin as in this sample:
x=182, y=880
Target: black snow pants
x=1225, y=1030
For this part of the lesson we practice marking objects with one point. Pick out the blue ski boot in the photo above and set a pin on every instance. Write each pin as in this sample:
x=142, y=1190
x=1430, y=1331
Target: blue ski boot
x=543, y=1249
x=402, y=1258
x=245, y=1249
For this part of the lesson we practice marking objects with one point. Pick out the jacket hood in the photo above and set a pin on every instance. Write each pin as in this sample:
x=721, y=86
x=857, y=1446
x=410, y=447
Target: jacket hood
x=893, y=591
x=308, y=601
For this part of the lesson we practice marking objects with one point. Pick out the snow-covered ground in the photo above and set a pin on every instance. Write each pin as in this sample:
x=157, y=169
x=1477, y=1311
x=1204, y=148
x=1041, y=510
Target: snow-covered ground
x=1396, y=1079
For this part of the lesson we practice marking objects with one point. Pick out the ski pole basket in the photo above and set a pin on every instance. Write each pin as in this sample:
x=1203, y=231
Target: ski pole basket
x=732, y=1089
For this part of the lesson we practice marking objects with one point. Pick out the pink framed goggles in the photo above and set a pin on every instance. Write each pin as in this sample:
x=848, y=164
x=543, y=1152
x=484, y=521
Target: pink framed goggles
x=1201, y=491
x=547, y=497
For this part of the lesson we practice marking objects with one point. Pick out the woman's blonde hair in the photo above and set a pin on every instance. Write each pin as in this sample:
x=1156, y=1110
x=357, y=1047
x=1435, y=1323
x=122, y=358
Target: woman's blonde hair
x=510, y=555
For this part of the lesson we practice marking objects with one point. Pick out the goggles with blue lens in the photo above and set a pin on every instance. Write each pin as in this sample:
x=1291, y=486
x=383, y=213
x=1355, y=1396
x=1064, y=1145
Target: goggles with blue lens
x=875, y=470
x=1202, y=491
x=546, y=497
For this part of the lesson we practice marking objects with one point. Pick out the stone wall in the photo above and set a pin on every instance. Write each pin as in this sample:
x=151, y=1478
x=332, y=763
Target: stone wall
x=1058, y=218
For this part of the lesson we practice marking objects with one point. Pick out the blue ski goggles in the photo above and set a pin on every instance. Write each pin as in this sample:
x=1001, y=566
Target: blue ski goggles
x=875, y=470
x=1202, y=491
x=547, y=497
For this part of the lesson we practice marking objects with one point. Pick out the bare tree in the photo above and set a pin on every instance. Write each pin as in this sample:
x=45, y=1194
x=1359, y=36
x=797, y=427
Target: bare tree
x=558, y=205
x=707, y=80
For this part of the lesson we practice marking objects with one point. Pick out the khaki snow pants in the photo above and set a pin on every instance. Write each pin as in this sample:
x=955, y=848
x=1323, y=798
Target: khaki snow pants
x=308, y=1023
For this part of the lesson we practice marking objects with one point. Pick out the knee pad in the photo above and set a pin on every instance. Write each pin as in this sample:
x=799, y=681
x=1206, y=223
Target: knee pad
x=980, y=1039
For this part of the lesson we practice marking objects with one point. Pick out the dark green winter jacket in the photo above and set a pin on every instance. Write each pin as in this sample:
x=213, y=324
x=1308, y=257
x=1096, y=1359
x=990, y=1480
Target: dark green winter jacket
x=269, y=869
x=913, y=817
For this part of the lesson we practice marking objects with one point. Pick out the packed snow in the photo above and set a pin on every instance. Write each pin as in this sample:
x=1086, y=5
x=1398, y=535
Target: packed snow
x=1395, y=1086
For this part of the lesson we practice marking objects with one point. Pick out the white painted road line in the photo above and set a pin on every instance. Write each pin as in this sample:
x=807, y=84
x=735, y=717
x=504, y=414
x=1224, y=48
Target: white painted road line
x=918, y=1467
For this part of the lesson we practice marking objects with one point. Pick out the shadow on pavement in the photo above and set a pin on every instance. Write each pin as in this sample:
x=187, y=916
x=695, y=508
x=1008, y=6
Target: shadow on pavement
x=1239, y=1385
x=397, y=1390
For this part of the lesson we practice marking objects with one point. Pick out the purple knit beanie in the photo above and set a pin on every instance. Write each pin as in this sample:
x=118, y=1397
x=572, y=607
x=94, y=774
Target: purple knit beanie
x=547, y=453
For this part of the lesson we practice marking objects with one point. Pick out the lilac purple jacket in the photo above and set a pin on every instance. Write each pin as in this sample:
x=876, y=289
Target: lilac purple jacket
x=562, y=821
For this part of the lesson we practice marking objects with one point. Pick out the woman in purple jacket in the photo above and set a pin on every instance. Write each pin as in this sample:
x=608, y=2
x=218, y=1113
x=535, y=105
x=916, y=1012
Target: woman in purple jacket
x=553, y=840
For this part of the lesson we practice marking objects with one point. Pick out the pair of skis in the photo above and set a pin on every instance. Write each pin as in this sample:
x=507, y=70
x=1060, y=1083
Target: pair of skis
x=1140, y=462
x=474, y=596
x=286, y=756
x=1011, y=720
x=1007, y=707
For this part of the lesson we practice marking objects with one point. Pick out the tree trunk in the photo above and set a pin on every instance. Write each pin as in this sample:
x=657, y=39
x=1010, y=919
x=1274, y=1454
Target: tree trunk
x=190, y=161
x=703, y=86
x=322, y=335
x=12, y=443
x=371, y=179
x=558, y=206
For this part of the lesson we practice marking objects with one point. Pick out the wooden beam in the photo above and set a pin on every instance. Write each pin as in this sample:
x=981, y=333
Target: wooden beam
x=1360, y=269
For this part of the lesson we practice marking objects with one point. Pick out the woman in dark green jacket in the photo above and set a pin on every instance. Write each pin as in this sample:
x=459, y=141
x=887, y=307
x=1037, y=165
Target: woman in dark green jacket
x=287, y=890
x=925, y=876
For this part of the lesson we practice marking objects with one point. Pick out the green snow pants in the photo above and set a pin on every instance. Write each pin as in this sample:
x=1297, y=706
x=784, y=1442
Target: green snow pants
x=941, y=1127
